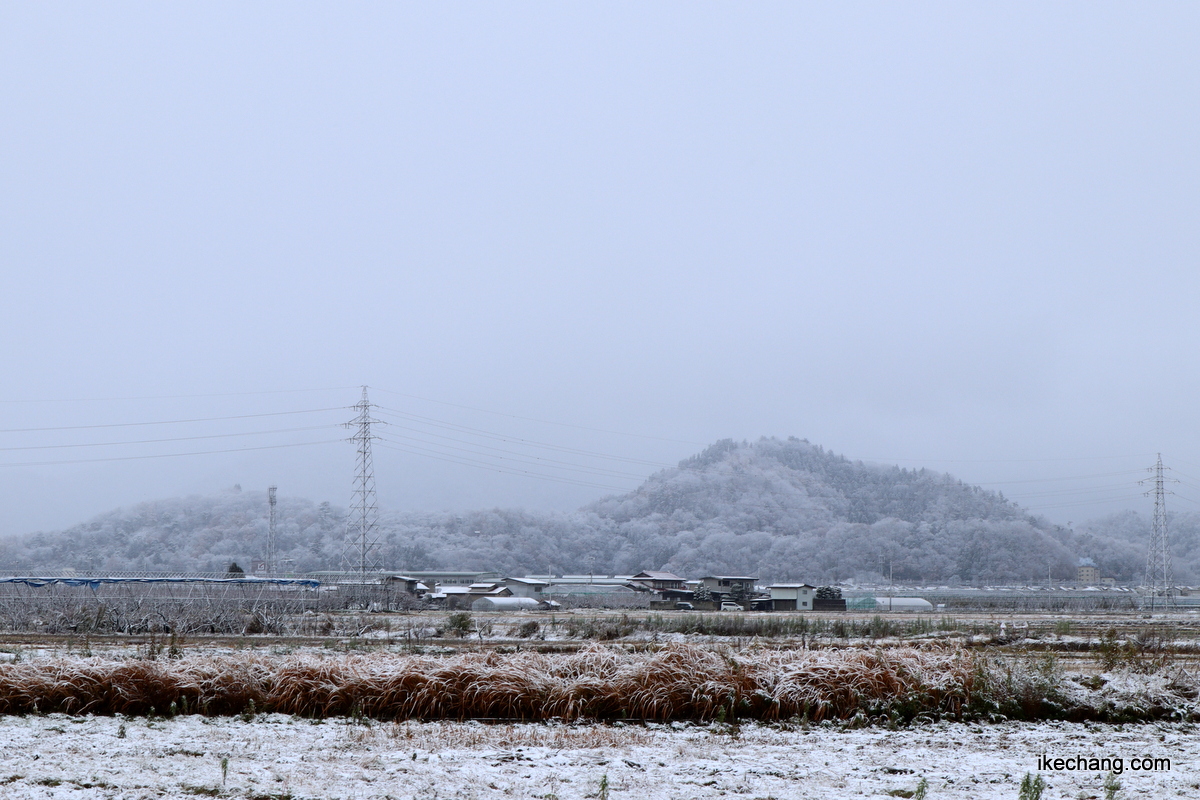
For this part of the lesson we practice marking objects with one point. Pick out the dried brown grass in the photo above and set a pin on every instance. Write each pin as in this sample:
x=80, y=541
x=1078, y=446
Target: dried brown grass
x=432, y=736
x=681, y=682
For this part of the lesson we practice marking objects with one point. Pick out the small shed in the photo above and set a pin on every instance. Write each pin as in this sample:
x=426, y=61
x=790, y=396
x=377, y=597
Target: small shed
x=791, y=596
x=505, y=604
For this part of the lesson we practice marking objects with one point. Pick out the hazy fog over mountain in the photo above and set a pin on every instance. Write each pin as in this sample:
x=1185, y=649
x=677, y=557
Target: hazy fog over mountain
x=570, y=245
x=779, y=509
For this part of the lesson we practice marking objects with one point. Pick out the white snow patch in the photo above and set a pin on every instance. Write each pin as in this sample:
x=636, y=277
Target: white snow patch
x=85, y=757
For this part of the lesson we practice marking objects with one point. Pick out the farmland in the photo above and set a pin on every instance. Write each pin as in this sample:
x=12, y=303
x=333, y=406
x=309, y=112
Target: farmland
x=275, y=756
x=573, y=704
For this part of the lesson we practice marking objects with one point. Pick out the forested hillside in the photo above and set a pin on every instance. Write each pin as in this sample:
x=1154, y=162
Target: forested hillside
x=784, y=510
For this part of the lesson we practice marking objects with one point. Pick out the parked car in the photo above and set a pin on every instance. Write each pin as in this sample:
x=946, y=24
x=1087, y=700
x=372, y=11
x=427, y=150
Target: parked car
x=684, y=606
x=729, y=605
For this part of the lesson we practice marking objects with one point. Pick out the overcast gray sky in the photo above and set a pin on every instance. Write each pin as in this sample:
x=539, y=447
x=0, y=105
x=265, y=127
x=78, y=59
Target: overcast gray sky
x=956, y=235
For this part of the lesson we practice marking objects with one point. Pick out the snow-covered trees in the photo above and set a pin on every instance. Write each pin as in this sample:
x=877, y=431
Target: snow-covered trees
x=783, y=510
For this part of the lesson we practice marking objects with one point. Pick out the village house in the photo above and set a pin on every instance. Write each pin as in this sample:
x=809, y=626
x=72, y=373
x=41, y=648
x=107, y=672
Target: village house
x=659, y=581
x=406, y=583
x=461, y=597
x=526, y=587
x=445, y=578
x=728, y=586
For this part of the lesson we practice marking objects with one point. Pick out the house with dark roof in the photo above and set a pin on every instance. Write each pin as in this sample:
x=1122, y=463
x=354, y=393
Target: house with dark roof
x=658, y=581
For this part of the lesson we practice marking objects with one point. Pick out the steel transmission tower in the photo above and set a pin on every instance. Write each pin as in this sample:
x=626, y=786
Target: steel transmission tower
x=1159, y=581
x=271, y=532
x=362, y=534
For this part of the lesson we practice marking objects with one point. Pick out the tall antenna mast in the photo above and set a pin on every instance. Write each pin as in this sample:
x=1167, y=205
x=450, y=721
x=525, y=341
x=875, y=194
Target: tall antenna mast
x=271, y=532
x=1159, y=580
x=362, y=534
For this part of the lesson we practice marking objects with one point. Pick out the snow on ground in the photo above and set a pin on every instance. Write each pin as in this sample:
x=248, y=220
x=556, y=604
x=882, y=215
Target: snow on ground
x=275, y=756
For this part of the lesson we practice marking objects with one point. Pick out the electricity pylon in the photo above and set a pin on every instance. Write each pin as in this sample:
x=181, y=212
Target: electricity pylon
x=1159, y=581
x=271, y=532
x=362, y=525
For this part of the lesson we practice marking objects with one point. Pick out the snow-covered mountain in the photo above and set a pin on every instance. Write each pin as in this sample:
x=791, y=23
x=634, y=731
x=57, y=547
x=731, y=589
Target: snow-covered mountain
x=781, y=509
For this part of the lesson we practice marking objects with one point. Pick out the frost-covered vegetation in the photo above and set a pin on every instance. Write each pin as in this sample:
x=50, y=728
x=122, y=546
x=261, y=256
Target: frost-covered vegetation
x=887, y=685
x=783, y=510
x=678, y=682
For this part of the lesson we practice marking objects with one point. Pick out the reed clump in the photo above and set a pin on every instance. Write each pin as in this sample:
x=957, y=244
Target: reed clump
x=680, y=682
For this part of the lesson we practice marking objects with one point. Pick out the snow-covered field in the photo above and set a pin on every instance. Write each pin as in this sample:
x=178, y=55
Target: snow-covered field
x=60, y=756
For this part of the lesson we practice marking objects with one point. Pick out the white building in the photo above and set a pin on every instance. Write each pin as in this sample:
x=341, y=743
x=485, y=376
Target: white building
x=791, y=596
x=525, y=587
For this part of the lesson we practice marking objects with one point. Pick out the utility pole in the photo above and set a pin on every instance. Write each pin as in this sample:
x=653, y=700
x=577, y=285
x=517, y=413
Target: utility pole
x=362, y=533
x=271, y=532
x=1158, y=559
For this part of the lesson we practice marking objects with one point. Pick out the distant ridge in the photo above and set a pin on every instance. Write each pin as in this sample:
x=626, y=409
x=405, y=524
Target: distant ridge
x=781, y=509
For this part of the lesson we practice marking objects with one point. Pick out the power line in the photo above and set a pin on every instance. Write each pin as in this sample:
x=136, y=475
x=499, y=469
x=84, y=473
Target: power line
x=485, y=434
x=521, y=458
x=175, y=396
x=171, y=421
x=165, y=455
x=468, y=452
x=1188, y=464
x=1068, y=478
x=992, y=460
x=463, y=461
x=173, y=439
x=1080, y=503
x=1077, y=491
x=541, y=421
